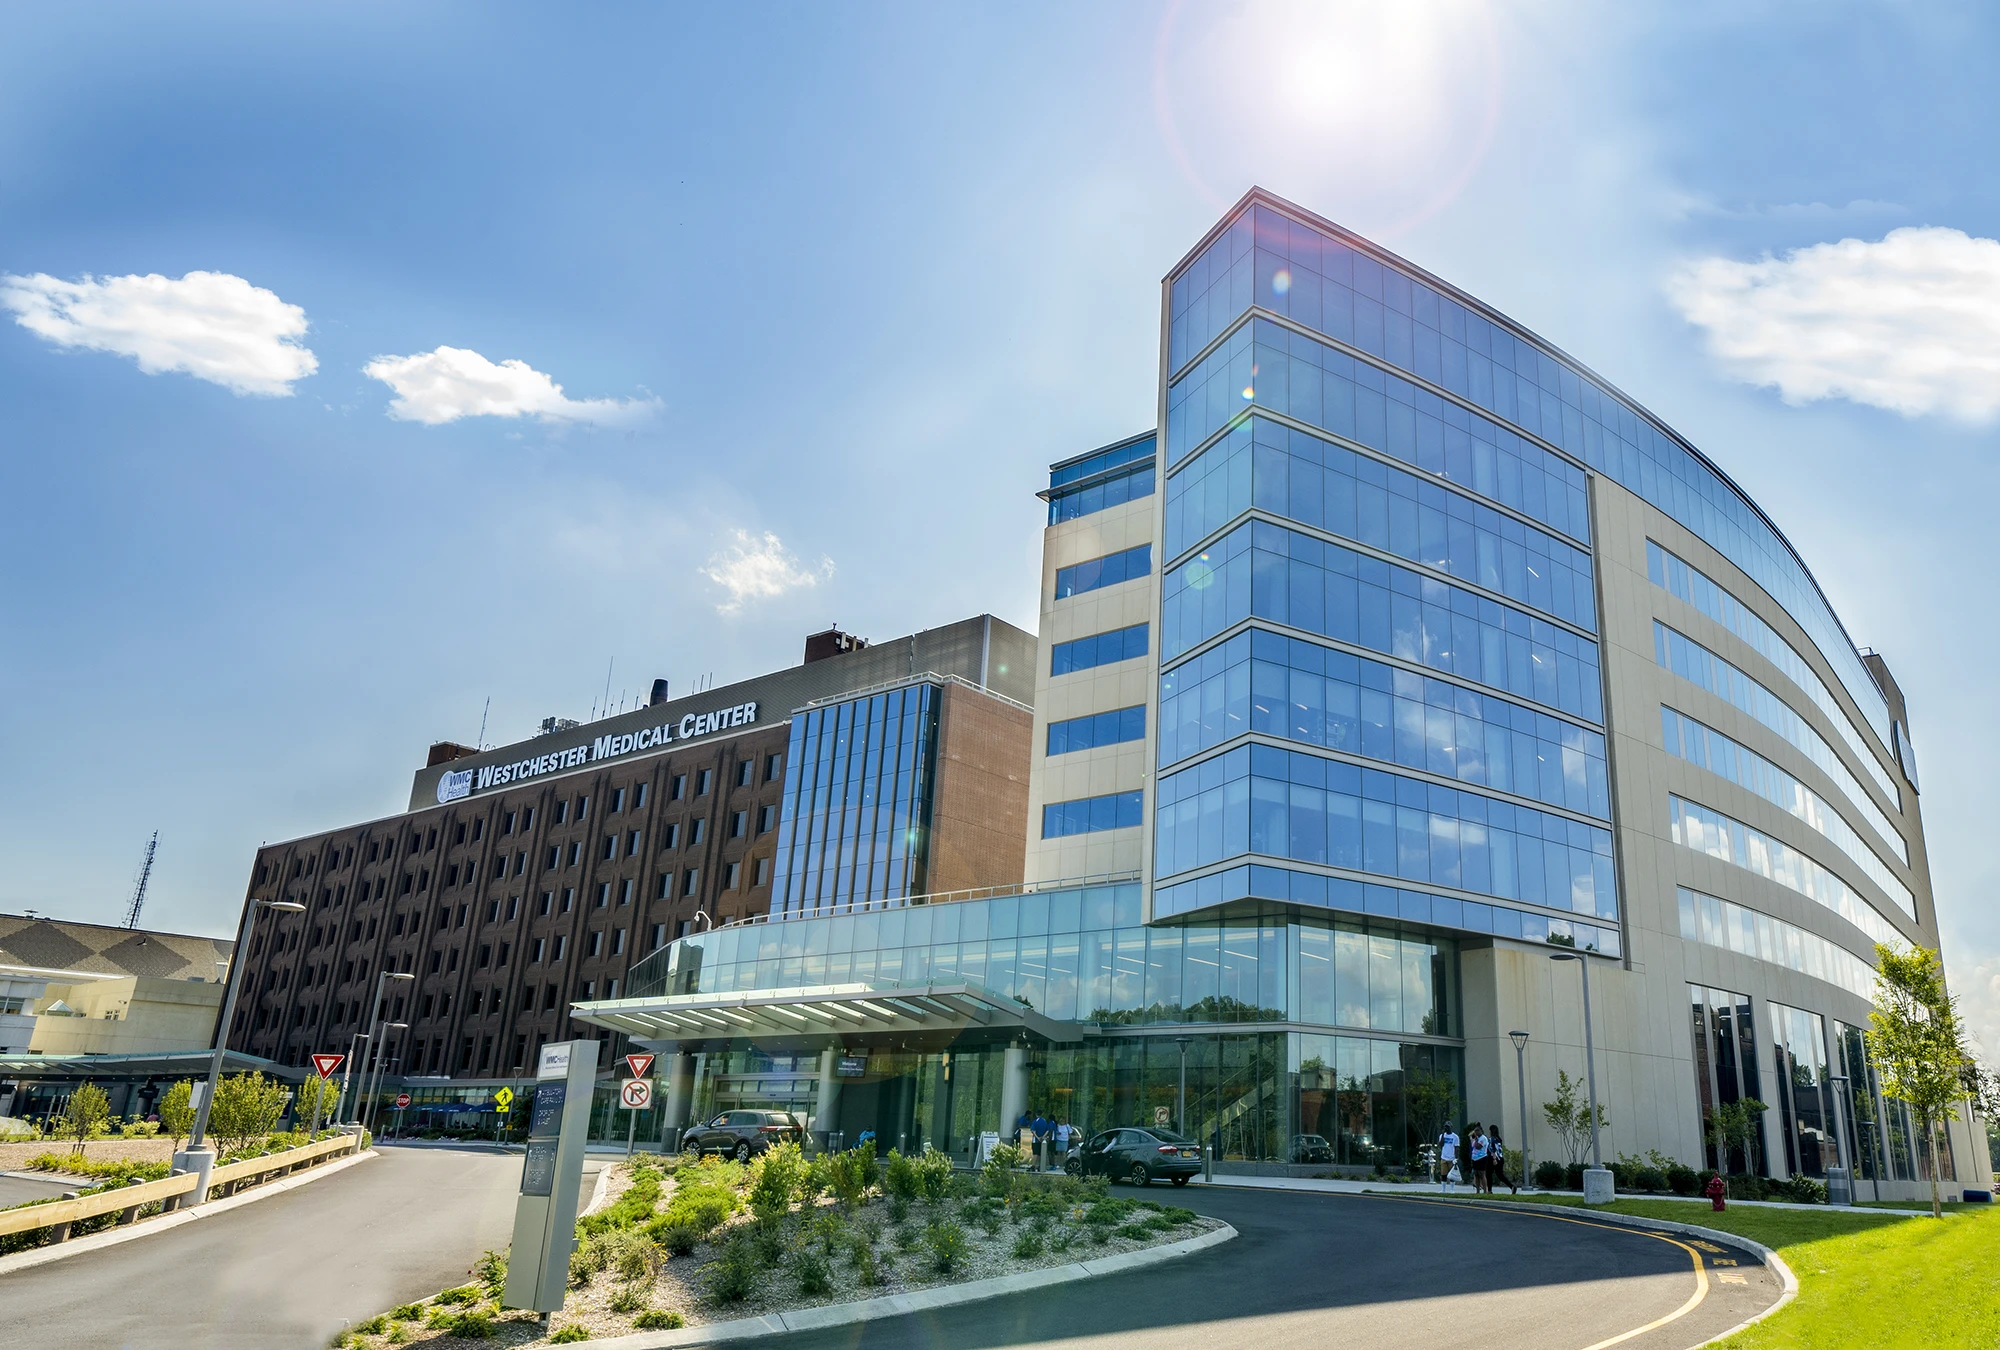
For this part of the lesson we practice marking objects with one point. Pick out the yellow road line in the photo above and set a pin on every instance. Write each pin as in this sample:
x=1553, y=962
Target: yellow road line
x=1700, y=1271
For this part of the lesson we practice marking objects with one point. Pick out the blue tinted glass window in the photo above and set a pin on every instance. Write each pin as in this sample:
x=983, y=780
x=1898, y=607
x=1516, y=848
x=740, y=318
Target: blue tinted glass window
x=1087, y=815
x=1100, y=461
x=1101, y=494
x=1099, y=649
x=1334, y=289
x=1108, y=570
x=1105, y=728
x=1264, y=571
x=1282, y=686
x=1275, y=468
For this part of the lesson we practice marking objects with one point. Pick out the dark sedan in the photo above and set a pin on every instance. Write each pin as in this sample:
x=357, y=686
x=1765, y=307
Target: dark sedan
x=741, y=1134
x=1139, y=1154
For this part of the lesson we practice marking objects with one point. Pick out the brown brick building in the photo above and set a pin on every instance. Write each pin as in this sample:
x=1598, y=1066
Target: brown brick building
x=533, y=875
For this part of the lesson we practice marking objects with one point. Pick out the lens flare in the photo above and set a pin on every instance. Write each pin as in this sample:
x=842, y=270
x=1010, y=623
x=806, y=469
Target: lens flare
x=1282, y=281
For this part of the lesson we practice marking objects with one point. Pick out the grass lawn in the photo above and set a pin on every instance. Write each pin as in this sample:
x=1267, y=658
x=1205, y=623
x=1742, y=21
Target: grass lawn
x=1866, y=1278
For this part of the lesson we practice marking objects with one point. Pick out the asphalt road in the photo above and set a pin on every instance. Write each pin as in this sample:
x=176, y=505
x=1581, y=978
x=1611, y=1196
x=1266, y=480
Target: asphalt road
x=1312, y=1270
x=19, y=1190
x=285, y=1271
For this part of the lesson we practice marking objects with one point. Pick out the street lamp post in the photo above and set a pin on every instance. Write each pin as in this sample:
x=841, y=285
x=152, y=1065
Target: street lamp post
x=381, y=1066
x=1180, y=1102
x=1597, y=1188
x=343, y=1101
x=195, y=1158
x=375, y=1045
x=1520, y=1039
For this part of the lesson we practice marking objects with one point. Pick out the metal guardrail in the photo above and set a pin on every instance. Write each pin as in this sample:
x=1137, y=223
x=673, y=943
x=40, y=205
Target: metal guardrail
x=126, y=1201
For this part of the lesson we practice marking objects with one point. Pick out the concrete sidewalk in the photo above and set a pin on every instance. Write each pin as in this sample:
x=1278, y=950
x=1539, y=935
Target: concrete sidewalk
x=1343, y=1186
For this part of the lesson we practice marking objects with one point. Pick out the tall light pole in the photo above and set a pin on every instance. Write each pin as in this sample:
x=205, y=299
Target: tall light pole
x=1840, y=1113
x=341, y=1102
x=1589, y=1065
x=195, y=1158
x=374, y=1044
x=1520, y=1039
x=1180, y=1103
x=381, y=1063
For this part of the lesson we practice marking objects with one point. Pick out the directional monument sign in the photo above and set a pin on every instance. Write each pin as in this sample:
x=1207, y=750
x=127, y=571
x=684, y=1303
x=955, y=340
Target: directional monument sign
x=326, y=1064
x=551, y=1176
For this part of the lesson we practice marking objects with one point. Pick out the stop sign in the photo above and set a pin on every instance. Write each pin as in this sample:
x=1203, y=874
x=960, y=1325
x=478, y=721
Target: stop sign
x=402, y=1100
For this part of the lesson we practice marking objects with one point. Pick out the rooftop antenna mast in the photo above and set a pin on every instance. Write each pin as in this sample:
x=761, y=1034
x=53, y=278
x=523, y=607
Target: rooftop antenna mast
x=481, y=742
x=145, y=875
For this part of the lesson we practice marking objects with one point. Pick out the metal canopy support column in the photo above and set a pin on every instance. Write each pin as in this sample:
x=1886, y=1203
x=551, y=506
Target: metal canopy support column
x=1013, y=1089
x=829, y=1096
x=680, y=1097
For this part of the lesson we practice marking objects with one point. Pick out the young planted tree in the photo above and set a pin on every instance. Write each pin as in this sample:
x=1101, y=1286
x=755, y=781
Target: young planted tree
x=1732, y=1126
x=246, y=1109
x=87, y=1110
x=1569, y=1116
x=1917, y=1040
x=315, y=1102
x=177, y=1112
x=1432, y=1099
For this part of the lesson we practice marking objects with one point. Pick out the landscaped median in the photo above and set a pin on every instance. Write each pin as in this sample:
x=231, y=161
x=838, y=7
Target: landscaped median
x=722, y=1249
x=123, y=1191
x=1867, y=1277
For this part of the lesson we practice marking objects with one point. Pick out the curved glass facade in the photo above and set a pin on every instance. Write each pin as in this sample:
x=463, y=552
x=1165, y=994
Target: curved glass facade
x=1324, y=285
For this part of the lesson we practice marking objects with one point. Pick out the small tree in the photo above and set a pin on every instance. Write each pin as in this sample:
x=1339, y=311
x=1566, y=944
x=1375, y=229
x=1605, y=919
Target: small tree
x=87, y=1110
x=1569, y=1116
x=314, y=1105
x=1432, y=1098
x=1733, y=1125
x=177, y=1112
x=246, y=1109
x=1917, y=1040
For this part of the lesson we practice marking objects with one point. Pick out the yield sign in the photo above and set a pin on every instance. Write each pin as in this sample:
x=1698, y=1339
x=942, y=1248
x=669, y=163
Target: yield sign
x=639, y=1064
x=326, y=1064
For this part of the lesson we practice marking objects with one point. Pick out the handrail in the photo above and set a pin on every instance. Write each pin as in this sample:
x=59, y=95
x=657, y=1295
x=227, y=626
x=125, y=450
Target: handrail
x=63, y=1213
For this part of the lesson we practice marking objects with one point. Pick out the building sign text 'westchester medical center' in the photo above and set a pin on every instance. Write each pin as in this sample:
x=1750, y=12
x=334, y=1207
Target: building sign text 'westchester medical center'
x=694, y=726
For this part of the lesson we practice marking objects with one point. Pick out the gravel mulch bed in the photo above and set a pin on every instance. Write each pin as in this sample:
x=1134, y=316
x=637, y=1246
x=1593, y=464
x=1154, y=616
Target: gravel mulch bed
x=999, y=1239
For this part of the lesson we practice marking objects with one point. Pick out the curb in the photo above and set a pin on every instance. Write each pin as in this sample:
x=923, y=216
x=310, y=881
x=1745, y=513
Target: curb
x=1787, y=1281
x=111, y=1237
x=597, y=1196
x=896, y=1305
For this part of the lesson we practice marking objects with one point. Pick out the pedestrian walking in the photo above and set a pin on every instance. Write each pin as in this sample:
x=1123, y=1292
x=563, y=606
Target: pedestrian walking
x=1497, y=1161
x=1447, y=1150
x=1476, y=1146
x=1063, y=1133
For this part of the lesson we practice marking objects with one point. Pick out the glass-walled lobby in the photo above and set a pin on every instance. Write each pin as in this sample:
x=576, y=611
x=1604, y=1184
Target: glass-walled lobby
x=1307, y=1038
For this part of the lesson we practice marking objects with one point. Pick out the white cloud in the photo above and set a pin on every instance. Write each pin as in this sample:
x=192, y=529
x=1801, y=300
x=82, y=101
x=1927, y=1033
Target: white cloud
x=1979, y=1000
x=1910, y=323
x=212, y=325
x=444, y=385
x=760, y=569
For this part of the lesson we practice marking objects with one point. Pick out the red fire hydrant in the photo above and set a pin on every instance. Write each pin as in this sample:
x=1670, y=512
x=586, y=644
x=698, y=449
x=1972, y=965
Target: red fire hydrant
x=1716, y=1191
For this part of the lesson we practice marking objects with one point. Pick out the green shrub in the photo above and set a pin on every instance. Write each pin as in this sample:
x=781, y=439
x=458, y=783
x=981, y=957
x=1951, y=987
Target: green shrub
x=1549, y=1175
x=865, y=1166
x=900, y=1180
x=409, y=1312
x=1061, y=1239
x=1137, y=1232
x=1028, y=1245
x=899, y=1208
x=631, y=1254
x=1177, y=1218
x=829, y=1230
x=934, y=1175
x=907, y=1237
x=1802, y=1190
x=947, y=1245
x=733, y=1276
x=1044, y=1205
x=629, y=1299
x=465, y=1293
x=1001, y=1171
x=866, y=1269
x=471, y=1326
x=676, y=1236
x=775, y=1179
x=374, y=1326
x=809, y=1267
x=567, y=1333
x=491, y=1272
x=1683, y=1180
x=657, y=1319
x=1649, y=1180
x=1747, y=1186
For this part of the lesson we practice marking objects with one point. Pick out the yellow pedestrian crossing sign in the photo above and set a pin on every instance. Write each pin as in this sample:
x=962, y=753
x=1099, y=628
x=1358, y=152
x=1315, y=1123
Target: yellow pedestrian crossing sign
x=503, y=1099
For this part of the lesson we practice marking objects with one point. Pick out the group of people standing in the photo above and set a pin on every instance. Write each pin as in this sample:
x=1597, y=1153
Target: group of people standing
x=1484, y=1153
x=1044, y=1139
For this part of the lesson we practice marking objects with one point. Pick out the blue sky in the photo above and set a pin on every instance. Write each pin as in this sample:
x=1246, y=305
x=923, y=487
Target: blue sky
x=810, y=277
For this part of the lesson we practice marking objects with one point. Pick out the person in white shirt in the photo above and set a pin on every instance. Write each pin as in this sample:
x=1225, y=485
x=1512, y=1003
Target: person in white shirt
x=1447, y=1156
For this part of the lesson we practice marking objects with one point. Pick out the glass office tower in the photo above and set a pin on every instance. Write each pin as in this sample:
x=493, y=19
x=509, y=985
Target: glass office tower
x=1407, y=655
